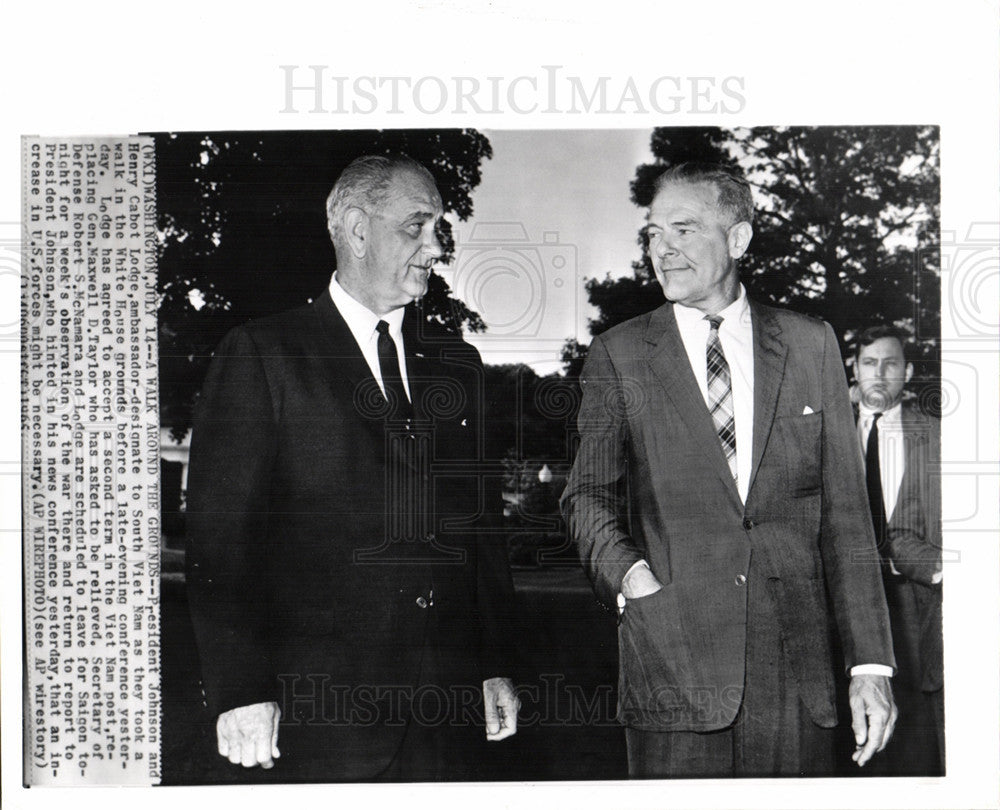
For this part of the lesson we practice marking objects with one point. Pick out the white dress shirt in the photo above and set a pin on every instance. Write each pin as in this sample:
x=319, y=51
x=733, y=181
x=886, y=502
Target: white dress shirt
x=736, y=337
x=362, y=322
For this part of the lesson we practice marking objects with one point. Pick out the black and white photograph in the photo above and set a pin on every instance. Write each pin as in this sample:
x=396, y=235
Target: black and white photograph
x=622, y=429
x=344, y=599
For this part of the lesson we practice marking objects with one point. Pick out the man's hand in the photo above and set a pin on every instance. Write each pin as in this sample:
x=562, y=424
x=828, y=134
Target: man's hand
x=873, y=715
x=501, y=704
x=248, y=735
x=640, y=582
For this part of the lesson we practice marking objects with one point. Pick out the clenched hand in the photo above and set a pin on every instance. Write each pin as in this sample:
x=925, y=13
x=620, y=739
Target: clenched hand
x=501, y=705
x=248, y=735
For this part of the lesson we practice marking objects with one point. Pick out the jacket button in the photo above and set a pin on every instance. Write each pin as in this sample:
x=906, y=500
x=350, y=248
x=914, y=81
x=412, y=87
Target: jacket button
x=740, y=580
x=747, y=524
x=421, y=602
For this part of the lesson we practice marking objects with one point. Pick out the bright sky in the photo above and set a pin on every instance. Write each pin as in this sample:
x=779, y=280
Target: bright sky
x=552, y=210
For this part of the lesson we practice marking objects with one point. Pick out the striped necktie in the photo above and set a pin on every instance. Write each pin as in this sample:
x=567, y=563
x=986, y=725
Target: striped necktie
x=720, y=393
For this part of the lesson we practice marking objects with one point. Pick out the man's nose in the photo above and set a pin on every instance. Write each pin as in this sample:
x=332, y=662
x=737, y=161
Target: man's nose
x=432, y=246
x=663, y=245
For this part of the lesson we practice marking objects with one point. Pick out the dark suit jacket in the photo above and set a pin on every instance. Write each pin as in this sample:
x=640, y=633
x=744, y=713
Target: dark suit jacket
x=651, y=481
x=914, y=540
x=317, y=531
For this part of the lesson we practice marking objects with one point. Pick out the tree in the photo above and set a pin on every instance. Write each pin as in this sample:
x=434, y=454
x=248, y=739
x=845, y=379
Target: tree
x=529, y=417
x=242, y=226
x=846, y=229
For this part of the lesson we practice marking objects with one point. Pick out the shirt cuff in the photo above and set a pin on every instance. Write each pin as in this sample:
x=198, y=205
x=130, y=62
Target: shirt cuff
x=632, y=568
x=620, y=599
x=936, y=579
x=871, y=669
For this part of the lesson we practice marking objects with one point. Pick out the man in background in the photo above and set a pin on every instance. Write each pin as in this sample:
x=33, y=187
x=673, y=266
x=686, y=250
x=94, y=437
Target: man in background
x=902, y=450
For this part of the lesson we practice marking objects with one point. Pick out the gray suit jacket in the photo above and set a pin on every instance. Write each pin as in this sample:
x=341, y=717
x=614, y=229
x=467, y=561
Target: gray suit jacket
x=914, y=540
x=651, y=482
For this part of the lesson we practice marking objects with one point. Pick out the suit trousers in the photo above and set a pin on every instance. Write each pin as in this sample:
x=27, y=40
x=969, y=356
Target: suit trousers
x=772, y=735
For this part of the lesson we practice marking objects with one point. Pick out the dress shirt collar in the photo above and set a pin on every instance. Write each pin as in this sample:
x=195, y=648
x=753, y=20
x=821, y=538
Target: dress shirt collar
x=735, y=316
x=361, y=320
x=892, y=416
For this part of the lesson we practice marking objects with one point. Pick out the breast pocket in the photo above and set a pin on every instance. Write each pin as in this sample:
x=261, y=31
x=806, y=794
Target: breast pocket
x=802, y=451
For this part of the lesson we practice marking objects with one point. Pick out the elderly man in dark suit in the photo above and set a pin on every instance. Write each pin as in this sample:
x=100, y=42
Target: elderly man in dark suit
x=717, y=499
x=347, y=601
x=902, y=450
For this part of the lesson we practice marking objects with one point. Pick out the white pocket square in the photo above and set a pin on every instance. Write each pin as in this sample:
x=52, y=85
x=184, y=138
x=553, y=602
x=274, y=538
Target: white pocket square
x=807, y=410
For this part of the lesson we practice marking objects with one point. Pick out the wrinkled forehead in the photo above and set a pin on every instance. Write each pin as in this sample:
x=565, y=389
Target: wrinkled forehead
x=677, y=196
x=411, y=192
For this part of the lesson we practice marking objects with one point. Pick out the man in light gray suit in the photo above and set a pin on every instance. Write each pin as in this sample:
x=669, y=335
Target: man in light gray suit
x=718, y=501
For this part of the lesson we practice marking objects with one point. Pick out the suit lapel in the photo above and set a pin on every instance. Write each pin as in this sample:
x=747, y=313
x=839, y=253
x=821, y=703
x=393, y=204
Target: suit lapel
x=348, y=363
x=768, y=370
x=669, y=362
x=347, y=359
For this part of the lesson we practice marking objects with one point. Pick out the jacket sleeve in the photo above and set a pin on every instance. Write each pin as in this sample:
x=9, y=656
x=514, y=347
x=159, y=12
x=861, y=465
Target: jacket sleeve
x=501, y=653
x=847, y=539
x=915, y=529
x=593, y=502
x=232, y=452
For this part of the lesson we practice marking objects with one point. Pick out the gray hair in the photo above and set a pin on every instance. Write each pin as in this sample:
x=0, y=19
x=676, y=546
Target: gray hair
x=734, y=197
x=365, y=184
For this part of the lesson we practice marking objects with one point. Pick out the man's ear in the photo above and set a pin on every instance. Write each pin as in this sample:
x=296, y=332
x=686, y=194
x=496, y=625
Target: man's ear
x=908, y=373
x=356, y=224
x=739, y=238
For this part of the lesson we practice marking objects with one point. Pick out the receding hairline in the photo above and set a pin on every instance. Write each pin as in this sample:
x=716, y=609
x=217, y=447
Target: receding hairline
x=425, y=176
x=678, y=182
x=732, y=189
x=369, y=180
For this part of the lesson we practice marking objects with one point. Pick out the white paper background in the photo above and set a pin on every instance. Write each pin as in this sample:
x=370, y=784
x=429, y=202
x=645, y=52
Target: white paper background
x=120, y=67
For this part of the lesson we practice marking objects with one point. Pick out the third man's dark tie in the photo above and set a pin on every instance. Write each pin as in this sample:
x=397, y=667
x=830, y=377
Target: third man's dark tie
x=873, y=481
x=392, y=379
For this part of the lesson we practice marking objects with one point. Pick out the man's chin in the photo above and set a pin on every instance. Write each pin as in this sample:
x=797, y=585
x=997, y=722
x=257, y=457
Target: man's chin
x=672, y=289
x=877, y=399
x=415, y=294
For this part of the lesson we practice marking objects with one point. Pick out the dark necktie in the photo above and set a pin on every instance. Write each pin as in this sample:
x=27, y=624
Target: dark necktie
x=392, y=380
x=873, y=481
x=720, y=393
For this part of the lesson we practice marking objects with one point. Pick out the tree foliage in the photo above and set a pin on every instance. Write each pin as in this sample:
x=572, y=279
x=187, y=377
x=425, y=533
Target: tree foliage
x=846, y=229
x=530, y=417
x=242, y=222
